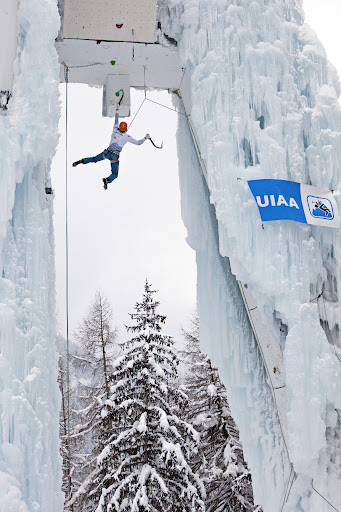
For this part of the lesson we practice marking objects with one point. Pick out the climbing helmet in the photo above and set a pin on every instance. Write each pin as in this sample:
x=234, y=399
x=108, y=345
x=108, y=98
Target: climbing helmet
x=123, y=126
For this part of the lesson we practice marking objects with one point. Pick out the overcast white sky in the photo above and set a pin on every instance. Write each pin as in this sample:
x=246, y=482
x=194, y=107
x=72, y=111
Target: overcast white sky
x=324, y=17
x=133, y=231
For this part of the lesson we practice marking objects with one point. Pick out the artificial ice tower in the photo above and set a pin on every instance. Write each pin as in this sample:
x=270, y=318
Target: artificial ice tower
x=261, y=102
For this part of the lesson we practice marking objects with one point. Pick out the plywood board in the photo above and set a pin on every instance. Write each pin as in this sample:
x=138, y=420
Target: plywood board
x=112, y=94
x=148, y=65
x=110, y=20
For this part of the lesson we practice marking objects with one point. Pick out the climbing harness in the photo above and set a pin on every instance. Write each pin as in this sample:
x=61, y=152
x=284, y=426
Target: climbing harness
x=112, y=154
x=292, y=475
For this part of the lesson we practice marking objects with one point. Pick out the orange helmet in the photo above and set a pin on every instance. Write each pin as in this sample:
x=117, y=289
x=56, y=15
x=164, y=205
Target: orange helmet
x=123, y=127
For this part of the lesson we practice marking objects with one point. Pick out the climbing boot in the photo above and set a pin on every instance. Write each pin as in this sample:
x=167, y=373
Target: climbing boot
x=105, y=183
x=78, y=162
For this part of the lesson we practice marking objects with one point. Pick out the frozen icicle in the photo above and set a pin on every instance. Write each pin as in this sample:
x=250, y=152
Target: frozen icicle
x=265, y=105
x=30, y=477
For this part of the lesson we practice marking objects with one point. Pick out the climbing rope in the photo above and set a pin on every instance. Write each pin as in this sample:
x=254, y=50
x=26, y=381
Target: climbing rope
x=292, y=472
x=176, y=91
x=145, y=95
x=191, y=129
x=82, y=66
x=325, y=499
x=292, y=475
x=265, y=364
x=289, y=486
x=66, y=76
x=204, y=170
x=137, y=112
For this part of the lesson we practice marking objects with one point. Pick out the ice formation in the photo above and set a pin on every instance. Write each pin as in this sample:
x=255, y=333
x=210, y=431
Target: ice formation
x=265, y=105
x=30, y=466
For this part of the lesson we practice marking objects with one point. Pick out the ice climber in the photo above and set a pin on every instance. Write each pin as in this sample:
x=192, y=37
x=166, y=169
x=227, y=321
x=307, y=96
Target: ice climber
x=119, y=138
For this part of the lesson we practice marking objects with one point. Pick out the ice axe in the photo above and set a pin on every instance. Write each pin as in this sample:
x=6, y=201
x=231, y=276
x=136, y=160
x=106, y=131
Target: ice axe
x=155, y=146
x=118, y=93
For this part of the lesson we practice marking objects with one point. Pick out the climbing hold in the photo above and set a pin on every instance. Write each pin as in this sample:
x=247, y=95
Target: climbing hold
x=119, y=25
x=113, y=62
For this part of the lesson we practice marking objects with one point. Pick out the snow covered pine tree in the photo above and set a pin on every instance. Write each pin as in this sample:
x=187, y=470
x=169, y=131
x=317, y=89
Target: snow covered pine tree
x=144, y=462
x=220, y=461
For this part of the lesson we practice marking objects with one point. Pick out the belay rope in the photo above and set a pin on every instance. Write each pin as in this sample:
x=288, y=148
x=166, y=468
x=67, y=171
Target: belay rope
x=68, y=442
x=119, y=103
x=292, y=475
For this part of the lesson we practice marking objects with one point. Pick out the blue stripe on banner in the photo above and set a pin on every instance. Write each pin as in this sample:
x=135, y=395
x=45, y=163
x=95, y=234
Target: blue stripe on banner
x=278, y=199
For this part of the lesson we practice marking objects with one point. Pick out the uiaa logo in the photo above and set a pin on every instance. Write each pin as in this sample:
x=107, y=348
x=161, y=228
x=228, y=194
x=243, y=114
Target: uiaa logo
x=320, y=207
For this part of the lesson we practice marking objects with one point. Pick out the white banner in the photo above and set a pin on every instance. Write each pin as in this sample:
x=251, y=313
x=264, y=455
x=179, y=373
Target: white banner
x=319, y=206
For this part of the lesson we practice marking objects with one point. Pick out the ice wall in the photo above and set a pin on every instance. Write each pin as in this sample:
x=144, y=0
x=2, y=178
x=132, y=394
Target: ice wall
x=227, y=336
x=265, y=105
x=30, y=465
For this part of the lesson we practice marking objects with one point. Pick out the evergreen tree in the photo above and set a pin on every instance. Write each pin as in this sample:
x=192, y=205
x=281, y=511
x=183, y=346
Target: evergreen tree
x=220, y=461
x=144, y=462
